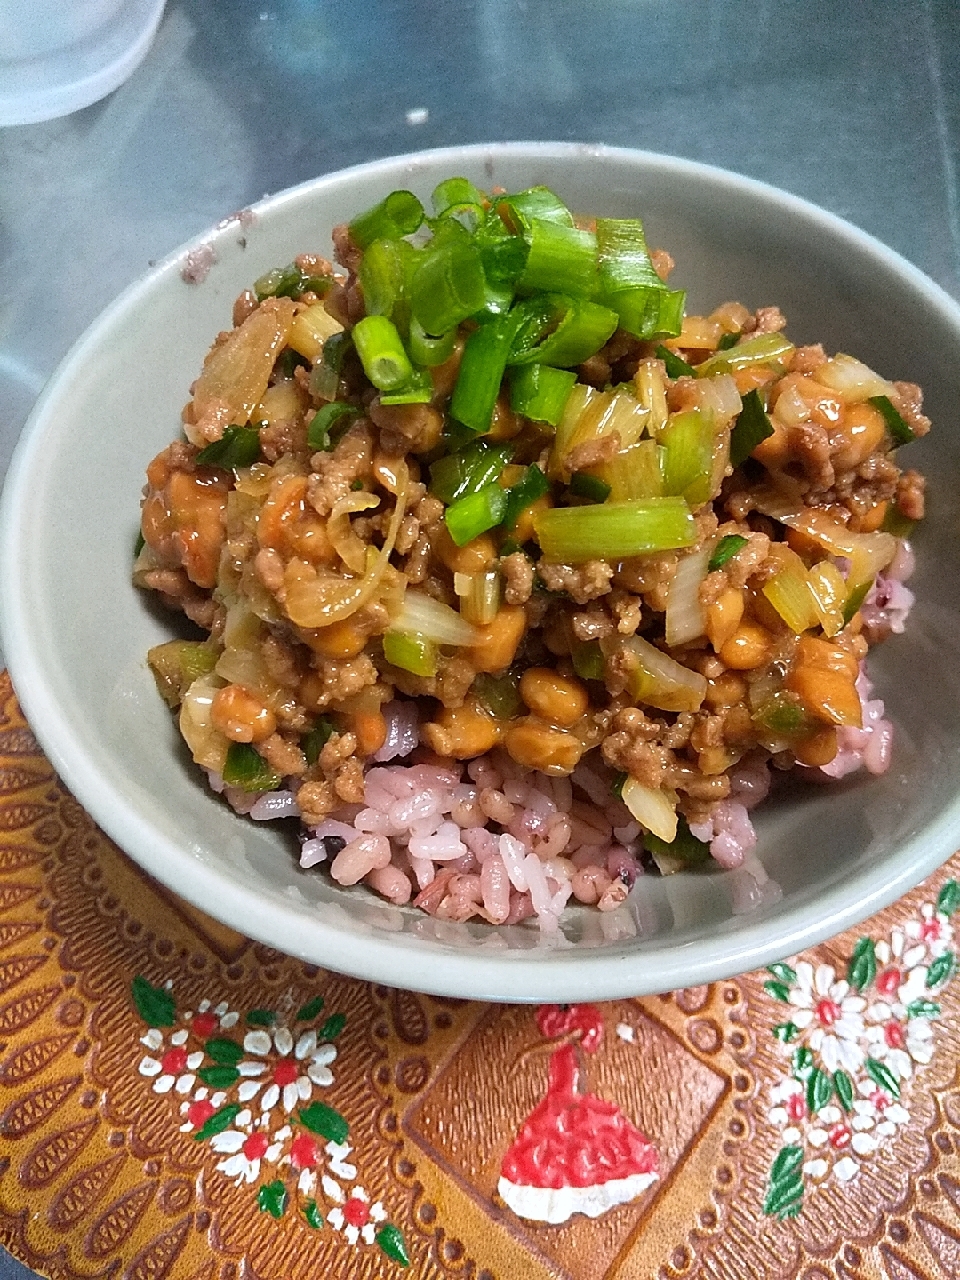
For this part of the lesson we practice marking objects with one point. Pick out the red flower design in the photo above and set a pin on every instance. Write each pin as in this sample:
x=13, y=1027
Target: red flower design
x=356, y=1212
x=303, y=1152
x=204, y=1025
x=255, y=1147
x=555, y=1020
x=285, y=1072
x=174, y=1061
x=198, y=1113
x=888, y=982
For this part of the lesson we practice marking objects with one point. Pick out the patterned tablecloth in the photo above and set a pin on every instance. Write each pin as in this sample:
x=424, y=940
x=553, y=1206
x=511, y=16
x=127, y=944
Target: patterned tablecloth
x=179, y=1101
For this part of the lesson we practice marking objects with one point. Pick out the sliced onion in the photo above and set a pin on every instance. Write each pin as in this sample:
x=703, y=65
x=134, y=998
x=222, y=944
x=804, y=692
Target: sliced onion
x=652, y=393
x=315, y=599
x=347, y=544
x=791, y=409
x=685, y=617
x=479, y=596
x=829, y=594
x=790, y=594
x=851, y=381
x=208, y=745
x=720, y=396
x=657, y=679
x=654, y=808
x=422, y=615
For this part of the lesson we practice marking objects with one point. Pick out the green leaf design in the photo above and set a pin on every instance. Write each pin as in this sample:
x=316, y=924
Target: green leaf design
x=261, y=1018
x=882, y=1075
x=802, y=1062
x=949, y=898
x=390, y=1240
x=783, y=973
x=330, y=1124
x=313, y=1215
x=219, y=1077
x=272, y=1199
x=219, y=1121
x=941, y=969
x=863, y=965
x=779, y=990
x=310, y=1009
x=844, y=1088
x=154, y=1004
x=923, y=1009
x=819, y=1090
x=332, y=1027
x=785, y=1032
x=785, y=1186
x=226, y=1052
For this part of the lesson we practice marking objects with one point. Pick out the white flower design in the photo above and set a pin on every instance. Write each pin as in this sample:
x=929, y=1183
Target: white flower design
x=244, y=1150
x=829, y=1017
x=899, y=1044
x=303, y=1064
x=170, y=1068
x=357, y=1218
x=932, y=928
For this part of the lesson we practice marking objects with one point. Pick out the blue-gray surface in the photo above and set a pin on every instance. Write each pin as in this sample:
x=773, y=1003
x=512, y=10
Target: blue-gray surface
x=856, y=107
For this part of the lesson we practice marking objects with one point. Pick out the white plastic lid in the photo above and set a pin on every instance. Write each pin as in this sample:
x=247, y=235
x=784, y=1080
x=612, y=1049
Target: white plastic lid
x=57, y=56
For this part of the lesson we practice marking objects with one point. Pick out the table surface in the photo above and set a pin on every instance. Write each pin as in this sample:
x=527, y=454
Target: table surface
x=856, y=108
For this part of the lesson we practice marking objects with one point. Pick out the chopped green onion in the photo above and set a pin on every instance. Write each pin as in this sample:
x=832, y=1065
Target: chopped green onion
x=615, y=530
x=762, y=348
x=584, y=485
x=782, y=713
x=287, y=362
x=325, y=376
x=895, y=522
x=458, y=474
x=479, y=595
x=688, y=440
x=725, y=550
x=854, y=600
x=899, y=430
x=419, y=390
x=237, y=447
x=540, y=392
x=449, y=284
x=455, y=193
x=381, y=353
x=504, y=257
x=427, y=351
x=411, y=652
x=474, y=514
x=498, y=694
x=328, y=424
x=312, y=743
x=356, y=486
x=246, y=768
x=623, y=257
x=650, y=313
x=588, y=660
x=751, y=428
x=281, y=282
x=140, y=543
x=383, y=275
x=616, y=786
x=400, y=214
x=636, y=472
x=177, y=663
x=531, y=486
x=481, y=372
x=535, y=202
x=560, y=331
x=562, y=260
x=727, y=341
x=675, y=366
x=685, y=850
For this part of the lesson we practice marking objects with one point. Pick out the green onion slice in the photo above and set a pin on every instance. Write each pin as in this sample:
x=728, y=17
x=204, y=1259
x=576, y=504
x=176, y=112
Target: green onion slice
x=419, y=390
x=750, y=429
x=623, y=258
x=454, y=194
x=675, y=366
x=475, y=513
x=899, y=430
x=560, y=331
x=400, y=214
x=312, y=743
x=895, y=522
x=615, y=530
x=381, y=352
x=383, y=275
x=588, y=660
x=449, y=284
x=540, y=392
x=531, y=486
x=649, y=312
x=468, y=470
x=762, y=348
x=140, y=543
x=237, y=447
x=481, y=371
x=561, y=260
x=727, y=341
x=535, y=202
x=247, y=769
x=688, y=440
x=427, y=351
x=325, y=375
x=685, y=850
x=329, y=424
x=584, y=485
x=411, y=652
x=287, y=282
x=725, y=550
x=498, y=694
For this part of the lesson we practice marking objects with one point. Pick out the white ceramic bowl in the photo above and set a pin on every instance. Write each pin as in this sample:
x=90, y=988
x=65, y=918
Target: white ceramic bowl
x=76, y=631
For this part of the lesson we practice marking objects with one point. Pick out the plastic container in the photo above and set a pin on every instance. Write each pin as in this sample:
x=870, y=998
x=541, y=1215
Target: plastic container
x=57, y=56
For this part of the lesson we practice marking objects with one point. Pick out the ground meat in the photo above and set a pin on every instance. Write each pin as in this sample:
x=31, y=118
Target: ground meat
x=345, y=679
x=450, y=685
x=282, y=756
x=581, y=582
x=765, y=320
x=338, y=748
x=595, y=371
x=280, y=661
x=245, y=305
x=807, y=359
x=335, y=472
x=518, y=577
x=810, y=445
x=178, y=592
x=592, y=624
x=311, y=264
x=748, y=559
x=627, y=610
x=406, y=428
x=909, y=399
x=663, y=263
x=407, y=535
x=316, y=799
x=345, y=251
x=910, y=498
x=269, y=567
x=279, y=438
x=348, y=783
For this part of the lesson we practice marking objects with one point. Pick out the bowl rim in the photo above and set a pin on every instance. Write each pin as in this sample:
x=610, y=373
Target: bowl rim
x=535, y=975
